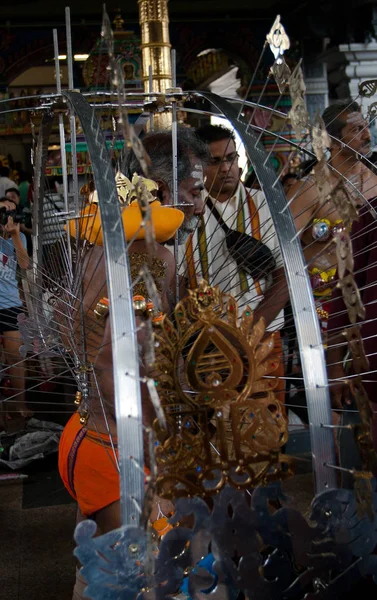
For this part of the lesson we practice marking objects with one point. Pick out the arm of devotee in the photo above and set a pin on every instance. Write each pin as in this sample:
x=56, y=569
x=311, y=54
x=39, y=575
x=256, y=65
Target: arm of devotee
x=303, y=199
x=275, y=298
x=104, y=369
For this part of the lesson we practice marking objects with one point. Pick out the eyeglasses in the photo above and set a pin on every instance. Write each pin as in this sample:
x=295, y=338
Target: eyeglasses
x=230, y=158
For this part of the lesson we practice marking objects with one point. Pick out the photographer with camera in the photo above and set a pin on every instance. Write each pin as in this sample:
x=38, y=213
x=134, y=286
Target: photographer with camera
x=23, y=216
x=12, y=253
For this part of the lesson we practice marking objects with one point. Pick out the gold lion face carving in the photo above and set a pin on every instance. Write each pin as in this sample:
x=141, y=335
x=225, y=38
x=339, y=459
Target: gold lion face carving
x=214, y=376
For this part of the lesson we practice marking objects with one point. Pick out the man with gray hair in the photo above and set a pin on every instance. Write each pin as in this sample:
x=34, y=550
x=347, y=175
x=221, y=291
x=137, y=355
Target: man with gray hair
x=192, y=154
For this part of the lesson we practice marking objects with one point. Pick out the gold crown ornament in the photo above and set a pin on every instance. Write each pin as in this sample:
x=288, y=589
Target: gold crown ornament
x=213, y=376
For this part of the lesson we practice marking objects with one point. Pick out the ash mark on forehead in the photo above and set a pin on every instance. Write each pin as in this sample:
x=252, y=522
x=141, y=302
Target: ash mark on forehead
x=356, y=118
x=197, y=174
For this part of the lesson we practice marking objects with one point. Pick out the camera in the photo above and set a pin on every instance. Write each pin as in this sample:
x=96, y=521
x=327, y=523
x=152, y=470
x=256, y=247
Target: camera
x=16, y=214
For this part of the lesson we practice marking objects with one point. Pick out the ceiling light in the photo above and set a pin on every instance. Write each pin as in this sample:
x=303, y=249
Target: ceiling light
x=77, y=57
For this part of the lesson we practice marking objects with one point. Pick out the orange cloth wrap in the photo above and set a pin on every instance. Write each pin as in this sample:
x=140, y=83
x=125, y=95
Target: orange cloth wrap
x=87, y=467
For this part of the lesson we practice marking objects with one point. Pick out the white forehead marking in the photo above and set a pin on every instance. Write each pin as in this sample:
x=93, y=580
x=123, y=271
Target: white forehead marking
x=356, y=118
x=197, y=173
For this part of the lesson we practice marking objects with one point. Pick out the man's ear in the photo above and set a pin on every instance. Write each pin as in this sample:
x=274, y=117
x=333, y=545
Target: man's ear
x=333, y=144
x=163, y=192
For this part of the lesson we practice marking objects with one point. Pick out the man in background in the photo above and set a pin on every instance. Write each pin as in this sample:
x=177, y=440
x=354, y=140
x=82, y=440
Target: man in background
x=246, y=211
x=5, y=181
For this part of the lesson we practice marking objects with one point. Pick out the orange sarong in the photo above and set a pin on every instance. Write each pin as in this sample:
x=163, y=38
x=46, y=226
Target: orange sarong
x=87, y=467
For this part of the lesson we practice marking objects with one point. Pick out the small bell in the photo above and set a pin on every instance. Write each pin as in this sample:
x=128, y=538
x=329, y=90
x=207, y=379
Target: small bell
x=157, y=318
x=150, y=309
x=84, y=417
x=139, y=304
x=78, y=398
x=102, y=308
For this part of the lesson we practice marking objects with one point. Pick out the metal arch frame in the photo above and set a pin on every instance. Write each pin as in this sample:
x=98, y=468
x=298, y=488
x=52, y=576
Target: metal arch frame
x=39, y=190
x=307, y=327
x=127, y=393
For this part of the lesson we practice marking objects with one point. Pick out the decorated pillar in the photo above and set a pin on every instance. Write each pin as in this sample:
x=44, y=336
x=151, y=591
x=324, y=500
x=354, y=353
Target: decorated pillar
x=155, y=51
x=155, y=43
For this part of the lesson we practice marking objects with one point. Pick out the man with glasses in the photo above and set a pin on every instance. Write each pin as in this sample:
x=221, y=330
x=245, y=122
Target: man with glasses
x=243, y=210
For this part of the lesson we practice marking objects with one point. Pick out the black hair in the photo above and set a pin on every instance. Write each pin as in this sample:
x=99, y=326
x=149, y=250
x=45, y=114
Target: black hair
x=13, y=189
x=4, y=171
x=215, y=133
x=334, y=116
x=24, y=176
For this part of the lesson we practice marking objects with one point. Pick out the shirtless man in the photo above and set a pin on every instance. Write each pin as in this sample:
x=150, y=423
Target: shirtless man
x=350, y=138
x=102, y=501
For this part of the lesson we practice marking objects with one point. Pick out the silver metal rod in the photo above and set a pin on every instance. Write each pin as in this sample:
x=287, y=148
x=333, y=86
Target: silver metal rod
x=69, y=46
x=344, y=470
x=127, y=393
x=174, y=68
x=75, y=182
x=63, y=153
x=56, y=57
x=174, y=133
x=337, y=426
x=150, y=86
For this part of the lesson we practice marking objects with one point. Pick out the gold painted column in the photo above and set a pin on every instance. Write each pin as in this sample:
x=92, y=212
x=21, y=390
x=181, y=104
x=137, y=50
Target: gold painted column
x=155, y=48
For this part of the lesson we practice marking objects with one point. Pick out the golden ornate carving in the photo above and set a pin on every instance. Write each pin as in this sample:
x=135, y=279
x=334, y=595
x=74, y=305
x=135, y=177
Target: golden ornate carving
x=224, y=423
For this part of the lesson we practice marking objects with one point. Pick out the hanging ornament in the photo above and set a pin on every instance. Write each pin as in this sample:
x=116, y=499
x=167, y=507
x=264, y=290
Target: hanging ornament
x=279, y=43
